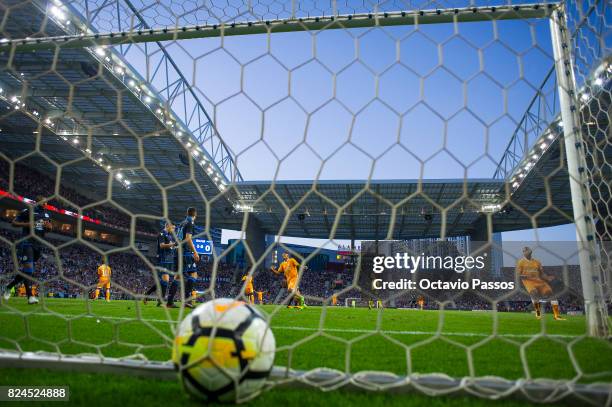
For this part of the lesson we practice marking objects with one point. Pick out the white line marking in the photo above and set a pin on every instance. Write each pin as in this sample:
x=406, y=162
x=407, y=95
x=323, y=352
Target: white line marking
x=429, y=333
x=308, y=329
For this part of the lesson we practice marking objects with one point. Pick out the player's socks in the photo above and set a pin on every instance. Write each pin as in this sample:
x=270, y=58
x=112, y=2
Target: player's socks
x=538, y=309
x=31, y=298
x=188, y=289
x=556, y=313
x=150, y=291
x=172, y=292
x=164, y=288
x=189, y=293
x=28, y=287
x=107, y=295
x=153, y=288
x=97, y=294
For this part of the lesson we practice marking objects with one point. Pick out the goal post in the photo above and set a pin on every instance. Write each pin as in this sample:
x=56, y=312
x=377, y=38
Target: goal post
x=592, y=282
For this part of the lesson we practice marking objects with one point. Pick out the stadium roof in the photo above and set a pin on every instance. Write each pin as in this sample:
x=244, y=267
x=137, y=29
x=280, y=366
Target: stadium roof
x=112, y=123
x=380, y=209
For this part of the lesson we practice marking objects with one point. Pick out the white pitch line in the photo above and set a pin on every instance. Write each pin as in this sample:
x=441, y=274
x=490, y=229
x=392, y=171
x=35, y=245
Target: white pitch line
x=308, y=329
x=431, y=333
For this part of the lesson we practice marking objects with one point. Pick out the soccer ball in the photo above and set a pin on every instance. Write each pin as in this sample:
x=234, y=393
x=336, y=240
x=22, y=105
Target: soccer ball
x=224, y=351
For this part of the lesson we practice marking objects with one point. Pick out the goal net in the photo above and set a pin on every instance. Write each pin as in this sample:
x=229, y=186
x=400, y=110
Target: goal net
x=403, y=153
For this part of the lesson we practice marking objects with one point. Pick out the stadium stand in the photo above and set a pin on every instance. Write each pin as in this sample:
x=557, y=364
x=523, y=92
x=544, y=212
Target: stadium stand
x=30, y=183
x=132, y=275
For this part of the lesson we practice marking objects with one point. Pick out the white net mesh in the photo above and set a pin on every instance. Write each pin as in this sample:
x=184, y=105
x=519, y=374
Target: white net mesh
x=437, y=126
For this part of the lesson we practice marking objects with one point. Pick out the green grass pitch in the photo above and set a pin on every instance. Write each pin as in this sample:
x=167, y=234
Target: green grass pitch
x=402, y=341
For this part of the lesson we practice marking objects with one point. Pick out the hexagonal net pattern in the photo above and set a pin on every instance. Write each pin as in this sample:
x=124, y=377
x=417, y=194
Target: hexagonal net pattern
x=342, y=134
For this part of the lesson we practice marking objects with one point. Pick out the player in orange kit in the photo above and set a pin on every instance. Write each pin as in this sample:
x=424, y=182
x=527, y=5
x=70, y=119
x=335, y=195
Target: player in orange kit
x=536, y=283
x=421, y=302
x=249, y=290
x=289, y=267
x=260, y=297
x=104, y=277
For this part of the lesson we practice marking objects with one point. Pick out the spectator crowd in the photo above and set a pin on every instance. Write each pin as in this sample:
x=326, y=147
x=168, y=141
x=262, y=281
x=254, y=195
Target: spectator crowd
x=30, y=183
x=71, y=273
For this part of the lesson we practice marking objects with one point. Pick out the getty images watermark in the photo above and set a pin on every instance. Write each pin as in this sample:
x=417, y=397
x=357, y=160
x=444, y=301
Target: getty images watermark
x=407, y=263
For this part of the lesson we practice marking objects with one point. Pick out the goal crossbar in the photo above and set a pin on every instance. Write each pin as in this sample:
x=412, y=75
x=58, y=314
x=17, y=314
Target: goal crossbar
x=363, y=20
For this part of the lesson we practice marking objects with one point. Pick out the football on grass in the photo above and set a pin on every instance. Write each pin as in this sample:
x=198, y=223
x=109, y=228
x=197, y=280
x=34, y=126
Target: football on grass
x=224, y=351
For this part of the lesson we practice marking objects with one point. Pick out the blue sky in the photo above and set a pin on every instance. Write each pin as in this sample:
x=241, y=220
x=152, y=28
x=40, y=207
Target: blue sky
x=285, y=122
x=434, y=101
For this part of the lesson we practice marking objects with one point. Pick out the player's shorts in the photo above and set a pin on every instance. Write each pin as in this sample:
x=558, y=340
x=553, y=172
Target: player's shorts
x=189, y=265
x=28, y=252
x=292, y=283
x=104, y=284
x=249, y=292
x=537, y=285
x=165, y=267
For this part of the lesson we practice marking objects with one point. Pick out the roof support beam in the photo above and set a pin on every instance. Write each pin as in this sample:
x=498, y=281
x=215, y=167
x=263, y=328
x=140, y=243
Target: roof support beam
x=350, y=209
